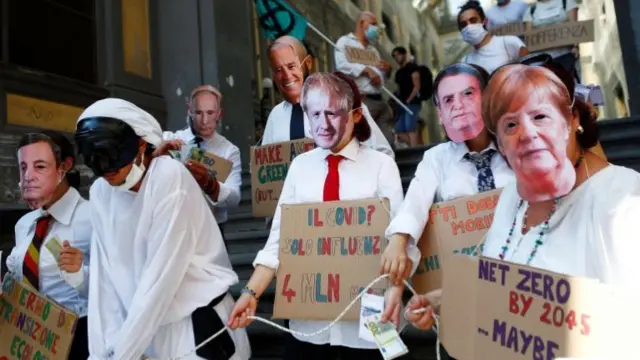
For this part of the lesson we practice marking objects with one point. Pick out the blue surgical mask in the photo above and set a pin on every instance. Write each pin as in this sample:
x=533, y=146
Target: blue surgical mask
x=372, y=32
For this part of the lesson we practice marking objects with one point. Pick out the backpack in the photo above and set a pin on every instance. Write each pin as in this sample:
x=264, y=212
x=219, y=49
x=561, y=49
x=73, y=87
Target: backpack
x=533, y=7
x=426, y=83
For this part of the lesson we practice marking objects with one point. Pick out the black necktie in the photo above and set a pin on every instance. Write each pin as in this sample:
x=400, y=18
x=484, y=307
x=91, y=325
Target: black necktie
x=198, y=141
x=296, y=125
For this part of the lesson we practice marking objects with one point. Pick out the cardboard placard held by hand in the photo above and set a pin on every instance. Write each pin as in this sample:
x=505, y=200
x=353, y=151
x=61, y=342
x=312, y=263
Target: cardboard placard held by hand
x=361, y=56
x=218, y=167
x=32, y=324
x=500, y=310
x=269, y=167
x=328, y=253
x=454, y=227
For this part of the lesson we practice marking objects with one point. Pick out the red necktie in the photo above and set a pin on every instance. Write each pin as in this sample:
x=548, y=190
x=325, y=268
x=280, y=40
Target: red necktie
x=31, y=265
x=332, y=182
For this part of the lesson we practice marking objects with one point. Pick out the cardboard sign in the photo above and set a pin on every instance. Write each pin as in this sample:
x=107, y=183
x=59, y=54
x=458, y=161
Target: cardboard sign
x=550, y=36
x=33, y=326
x=269, y=166
x=218, y=167
x=361, y=56
x=454, y=227
x=328, y=253
x=526, y=313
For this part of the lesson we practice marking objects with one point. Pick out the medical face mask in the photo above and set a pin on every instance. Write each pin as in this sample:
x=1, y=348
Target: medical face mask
x=372, y=32
x=134, y=176
x=474, y=34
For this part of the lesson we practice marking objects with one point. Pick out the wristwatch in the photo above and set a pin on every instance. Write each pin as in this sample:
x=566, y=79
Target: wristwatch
x=246, y=290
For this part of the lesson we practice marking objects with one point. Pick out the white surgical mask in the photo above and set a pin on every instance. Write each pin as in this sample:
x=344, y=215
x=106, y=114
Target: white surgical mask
x=474, y=34
x=134, y=176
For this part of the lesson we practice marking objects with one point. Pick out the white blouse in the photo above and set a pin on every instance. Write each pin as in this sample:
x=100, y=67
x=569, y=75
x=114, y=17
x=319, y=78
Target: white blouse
x=72, y=222
x=365, y=173
x=593, y=232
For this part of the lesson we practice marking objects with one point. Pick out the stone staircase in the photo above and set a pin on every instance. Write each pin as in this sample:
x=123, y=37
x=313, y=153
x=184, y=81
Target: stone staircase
x=246, y=235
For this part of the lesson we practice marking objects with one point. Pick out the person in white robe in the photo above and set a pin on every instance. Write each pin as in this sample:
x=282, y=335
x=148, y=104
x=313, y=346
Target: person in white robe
x=160, y=272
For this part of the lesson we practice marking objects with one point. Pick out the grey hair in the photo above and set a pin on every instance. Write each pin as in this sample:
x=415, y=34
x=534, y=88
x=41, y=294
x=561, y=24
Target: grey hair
x=333, y=85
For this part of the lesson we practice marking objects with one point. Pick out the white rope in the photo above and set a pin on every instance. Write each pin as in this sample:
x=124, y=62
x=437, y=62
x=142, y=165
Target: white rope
x=326, y=328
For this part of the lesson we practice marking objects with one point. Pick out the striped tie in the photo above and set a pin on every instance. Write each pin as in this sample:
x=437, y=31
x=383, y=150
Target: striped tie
x=30, y=267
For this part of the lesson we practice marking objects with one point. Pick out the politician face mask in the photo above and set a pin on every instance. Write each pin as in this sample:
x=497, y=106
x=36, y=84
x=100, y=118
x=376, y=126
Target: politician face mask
x=460, y=106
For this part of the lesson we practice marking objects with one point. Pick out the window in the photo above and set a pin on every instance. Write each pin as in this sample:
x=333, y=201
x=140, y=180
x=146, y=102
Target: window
x=388, y=27
x=54, y=36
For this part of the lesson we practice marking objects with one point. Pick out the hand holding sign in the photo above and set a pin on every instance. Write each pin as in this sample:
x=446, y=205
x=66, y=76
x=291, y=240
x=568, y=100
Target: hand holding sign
x=70, y=258
x=395, y=261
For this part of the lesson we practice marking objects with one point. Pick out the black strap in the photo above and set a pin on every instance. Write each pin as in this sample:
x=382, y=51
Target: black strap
x=198, y=141
x=296, y=125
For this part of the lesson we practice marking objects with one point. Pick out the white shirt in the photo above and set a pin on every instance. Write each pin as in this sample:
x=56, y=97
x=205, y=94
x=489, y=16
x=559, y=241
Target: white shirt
x=548, y=13
x=592, y=234
x=364, y=173
x=501, y=50
x=71, y=221
x=354, y=69
x=229, y=195
x=156, y=259
x=513, y=12
x=442, y=175
x=278, y=128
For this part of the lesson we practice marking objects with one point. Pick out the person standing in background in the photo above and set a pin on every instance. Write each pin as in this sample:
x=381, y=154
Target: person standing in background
x=489, y=51
x=505, y=12
x=204, y=114
x=49, y=185
x=369, y=79
x=408, y=80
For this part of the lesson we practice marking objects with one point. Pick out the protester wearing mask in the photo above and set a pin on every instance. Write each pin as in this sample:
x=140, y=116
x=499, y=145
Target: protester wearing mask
x=290, y=65
x=204, y=114
x=339, y=168
x=505, y=12
x=49, y=185
x=489, y=51
x=160, y=271
x=369, y=79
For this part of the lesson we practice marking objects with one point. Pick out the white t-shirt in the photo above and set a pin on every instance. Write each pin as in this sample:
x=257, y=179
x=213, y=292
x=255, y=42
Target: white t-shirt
x=548, y=13
x=499, y=51
x=510, y=13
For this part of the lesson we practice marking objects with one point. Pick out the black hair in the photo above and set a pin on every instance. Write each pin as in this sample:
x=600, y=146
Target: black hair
x=62, y=149
x=476, y=71
x=399, y=49
x=471, y=5
x=590, y=135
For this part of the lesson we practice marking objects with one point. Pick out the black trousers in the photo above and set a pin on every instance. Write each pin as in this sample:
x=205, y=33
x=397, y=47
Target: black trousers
x=80, y=345
x=297, y=350
x=206, y=323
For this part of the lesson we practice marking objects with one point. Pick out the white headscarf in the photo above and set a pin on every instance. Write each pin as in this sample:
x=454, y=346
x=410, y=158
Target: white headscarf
x=143, y=123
